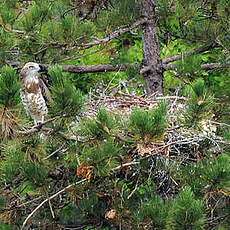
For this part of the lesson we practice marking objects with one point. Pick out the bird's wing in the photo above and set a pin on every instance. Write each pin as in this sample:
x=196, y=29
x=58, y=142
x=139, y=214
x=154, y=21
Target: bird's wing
x=45, y=91
x=22, y=74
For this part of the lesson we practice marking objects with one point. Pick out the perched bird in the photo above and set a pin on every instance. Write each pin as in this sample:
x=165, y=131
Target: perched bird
x=33, y=92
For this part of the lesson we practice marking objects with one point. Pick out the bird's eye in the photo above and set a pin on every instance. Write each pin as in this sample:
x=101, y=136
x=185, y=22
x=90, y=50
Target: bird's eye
x=31, y=67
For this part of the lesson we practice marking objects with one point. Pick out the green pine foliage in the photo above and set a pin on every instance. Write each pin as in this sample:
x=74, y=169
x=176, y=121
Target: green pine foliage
x=9, y=99
x=24, y=159
x=216, y=172
x=155, y=211
x=35, y=15
x=189, y=67
x=186, y=212
x=200, y=104
x=68, y=99
x=72, y=216
x=120, y=13
x=149, y=124
x=13, y=160
x=36, y=173
x=103, y=157
x=6, y=227
x=100, y=127
x=9, y=94
x=103, y=147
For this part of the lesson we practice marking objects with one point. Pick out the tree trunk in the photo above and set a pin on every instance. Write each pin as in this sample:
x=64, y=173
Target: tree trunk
x=151, y=50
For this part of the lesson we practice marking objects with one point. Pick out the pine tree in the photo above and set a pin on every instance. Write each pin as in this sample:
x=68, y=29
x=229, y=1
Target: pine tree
x=150, y=164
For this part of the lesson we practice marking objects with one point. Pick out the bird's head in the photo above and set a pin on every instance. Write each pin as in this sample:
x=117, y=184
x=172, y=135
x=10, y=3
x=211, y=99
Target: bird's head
x=30, y=68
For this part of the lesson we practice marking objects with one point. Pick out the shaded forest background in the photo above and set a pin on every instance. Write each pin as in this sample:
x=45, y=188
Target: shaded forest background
x=138, y=134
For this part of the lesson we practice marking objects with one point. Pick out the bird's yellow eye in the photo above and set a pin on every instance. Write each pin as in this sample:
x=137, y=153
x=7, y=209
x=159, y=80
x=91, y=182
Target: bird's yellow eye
x=31, y=67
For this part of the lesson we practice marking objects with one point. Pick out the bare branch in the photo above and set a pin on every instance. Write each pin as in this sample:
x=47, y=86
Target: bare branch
x=209, y=66
x=126, y=165
x=48, y=199
x=53, y=153
x=94, y=68
x=190, y=52
x=123, y=67
x=156, y=98
x=115, y=34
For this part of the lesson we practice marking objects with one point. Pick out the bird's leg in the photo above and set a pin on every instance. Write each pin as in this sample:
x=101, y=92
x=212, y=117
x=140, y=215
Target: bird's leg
x=35, y=123
x=40, y=122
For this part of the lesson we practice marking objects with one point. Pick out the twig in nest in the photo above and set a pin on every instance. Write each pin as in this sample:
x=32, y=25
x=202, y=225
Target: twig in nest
x=126, y=164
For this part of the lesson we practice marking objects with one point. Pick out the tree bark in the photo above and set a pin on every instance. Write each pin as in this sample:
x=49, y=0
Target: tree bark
x=201, y=49
x=151, y=50
x=82, y=69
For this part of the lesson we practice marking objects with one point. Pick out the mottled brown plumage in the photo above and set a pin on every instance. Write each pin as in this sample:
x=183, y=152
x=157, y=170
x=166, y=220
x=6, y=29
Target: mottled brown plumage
x=32, y=92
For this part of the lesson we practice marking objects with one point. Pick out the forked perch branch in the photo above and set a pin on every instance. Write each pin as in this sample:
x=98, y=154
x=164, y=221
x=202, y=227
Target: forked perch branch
x=36, y=128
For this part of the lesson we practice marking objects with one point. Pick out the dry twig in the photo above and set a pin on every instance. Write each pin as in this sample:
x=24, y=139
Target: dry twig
x=47, y=200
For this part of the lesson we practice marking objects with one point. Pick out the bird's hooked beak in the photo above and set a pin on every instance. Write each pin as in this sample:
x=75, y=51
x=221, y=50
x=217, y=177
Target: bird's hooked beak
x=38, y=68
x=42, y=69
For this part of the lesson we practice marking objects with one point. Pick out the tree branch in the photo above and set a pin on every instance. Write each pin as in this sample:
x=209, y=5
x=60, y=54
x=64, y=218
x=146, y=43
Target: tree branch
x=55, y=152
x=190, y=52
x=81, y=69
x=48, y=199
x=115, y=34
x=37, y=128
x=93, y=68
x=209, y=66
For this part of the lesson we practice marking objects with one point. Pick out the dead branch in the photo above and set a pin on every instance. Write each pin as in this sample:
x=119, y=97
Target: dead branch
x=106, y=39
x=171, y=98
x=156, y=98
x=48, y=199
x=53, y=153
x=126, y=165
x=93, y=68
x=209, y=66
x=190, y=52
x=81, y=69
x=115, y=34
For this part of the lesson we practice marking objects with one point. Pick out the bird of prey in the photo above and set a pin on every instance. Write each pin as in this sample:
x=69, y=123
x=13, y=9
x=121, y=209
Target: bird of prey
x=33, y=92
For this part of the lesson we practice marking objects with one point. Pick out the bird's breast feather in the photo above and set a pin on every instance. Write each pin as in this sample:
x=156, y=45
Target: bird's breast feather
x=31, y=86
